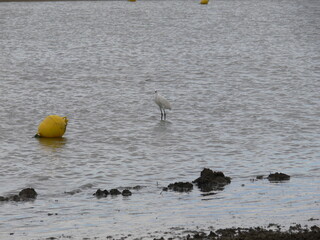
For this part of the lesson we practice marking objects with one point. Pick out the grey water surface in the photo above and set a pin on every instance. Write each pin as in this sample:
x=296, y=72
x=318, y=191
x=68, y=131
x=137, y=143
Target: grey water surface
x=243, y=78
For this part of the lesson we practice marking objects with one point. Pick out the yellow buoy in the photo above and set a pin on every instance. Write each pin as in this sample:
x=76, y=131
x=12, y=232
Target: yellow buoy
x=204, y=1
x=131, y=0
x=52, y=126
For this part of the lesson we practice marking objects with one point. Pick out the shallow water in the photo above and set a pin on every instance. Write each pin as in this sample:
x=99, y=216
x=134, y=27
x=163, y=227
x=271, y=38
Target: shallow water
x=243, y=80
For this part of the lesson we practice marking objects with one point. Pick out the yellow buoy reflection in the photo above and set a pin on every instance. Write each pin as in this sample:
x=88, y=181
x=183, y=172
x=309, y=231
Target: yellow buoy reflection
x=52, y=126
x=204, y=1
x=52, y=143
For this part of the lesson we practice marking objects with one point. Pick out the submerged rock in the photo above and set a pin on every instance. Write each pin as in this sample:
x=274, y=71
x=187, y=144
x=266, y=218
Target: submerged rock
x=137, y=187
x=126, y=193
x=259, y=177
x=101, y=193
x=259, y=233
x=73, y=192
x=275, y=177
x=3, y=199
x=26, y=194
x=165, y=189
x=104, y=193
x=210, y=180
x=15, y=198
x=115, y=192
x=181, y=186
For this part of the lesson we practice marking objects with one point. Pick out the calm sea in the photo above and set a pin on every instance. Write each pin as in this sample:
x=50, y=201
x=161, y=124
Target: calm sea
x=243, y=78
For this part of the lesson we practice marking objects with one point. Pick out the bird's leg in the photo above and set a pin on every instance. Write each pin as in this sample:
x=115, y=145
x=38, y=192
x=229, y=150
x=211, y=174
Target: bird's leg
x=164, y=113
x=161, y=113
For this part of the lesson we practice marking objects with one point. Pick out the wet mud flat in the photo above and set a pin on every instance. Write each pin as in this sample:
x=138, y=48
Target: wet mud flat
x=209, y=183
x=295, y=232
x=271, y=232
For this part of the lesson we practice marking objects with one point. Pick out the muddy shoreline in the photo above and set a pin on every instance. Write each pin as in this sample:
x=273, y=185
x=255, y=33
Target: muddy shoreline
x=208, y=182
x=271, y=232
x=295, y=232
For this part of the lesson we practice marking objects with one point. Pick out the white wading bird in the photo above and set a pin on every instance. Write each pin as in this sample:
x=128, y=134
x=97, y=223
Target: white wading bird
x=162, y=103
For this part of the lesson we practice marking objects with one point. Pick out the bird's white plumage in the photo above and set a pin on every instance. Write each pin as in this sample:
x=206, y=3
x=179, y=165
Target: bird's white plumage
x=162, y=103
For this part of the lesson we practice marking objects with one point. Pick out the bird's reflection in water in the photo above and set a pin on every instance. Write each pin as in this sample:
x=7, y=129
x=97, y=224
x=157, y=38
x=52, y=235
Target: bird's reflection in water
x=52, y=143
x=162, y=126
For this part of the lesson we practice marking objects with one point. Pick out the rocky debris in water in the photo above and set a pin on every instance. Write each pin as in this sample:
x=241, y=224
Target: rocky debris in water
x=252, y=233
x=26, y=194
x=126, y=193
x=73, y=192
x=3, y=199
x=208, y=194
x=259, y=233
x=276, y=177
x=181, y=186
x=115, y=191
x=104, y=193
x=274, y=225
x=101, y=193
x=137, y=187
x=210, y=180
x=51, y=214
x=259, y=177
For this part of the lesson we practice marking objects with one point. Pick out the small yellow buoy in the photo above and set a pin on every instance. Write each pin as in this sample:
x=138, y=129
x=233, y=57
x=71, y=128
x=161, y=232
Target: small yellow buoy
x=52, y=126
x=204, y=1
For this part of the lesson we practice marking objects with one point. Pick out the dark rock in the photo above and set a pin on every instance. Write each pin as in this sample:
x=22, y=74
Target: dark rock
x=73, y=192
x=199, y=235
x=210, y=180
x=101, y=193
x=51, y=214
x=28, y=194
x=315, y=228
x=181, y=186
x=259, y=233
x=208, y=194
x=274, y=225
x=115, y=192
x=165, y=189
x=212, y=235
x=24, y=195
x=126, y=192
x=3, y=199
x=259, y=177
x=295, y=228
x=276, y=177
x=227, y=232
x=138, y=187
x=15, y=198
